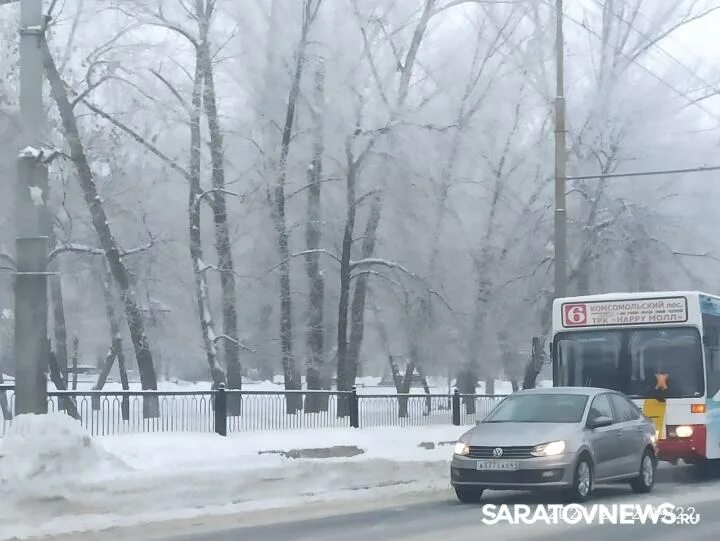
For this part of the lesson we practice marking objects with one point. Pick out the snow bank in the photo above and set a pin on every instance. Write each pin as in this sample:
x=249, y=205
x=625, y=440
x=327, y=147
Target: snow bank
x=54, y=479
x=41, y=453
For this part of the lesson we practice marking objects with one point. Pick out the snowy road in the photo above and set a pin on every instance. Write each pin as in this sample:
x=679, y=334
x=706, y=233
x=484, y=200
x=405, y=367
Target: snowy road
x=435, y=515
x=58, y=483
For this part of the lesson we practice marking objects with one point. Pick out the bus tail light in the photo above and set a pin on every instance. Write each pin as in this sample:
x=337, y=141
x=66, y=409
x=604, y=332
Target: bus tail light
x=682, y=431
x=697, y=408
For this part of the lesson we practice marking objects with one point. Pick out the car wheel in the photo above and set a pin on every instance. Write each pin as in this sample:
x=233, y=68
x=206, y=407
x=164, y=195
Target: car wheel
x=468, y=494
x=646, y=479
x=582, y=486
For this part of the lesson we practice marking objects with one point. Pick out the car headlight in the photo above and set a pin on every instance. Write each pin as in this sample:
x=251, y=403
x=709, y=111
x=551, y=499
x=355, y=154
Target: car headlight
x=684, y=431
x=462, y=449
x=552, y=448
x=654, y=437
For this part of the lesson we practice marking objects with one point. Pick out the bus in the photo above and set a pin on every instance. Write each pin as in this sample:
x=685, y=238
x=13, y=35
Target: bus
x=661, y=349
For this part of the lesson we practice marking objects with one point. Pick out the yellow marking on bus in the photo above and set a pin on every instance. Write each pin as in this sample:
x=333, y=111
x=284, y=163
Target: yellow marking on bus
x=655, y=410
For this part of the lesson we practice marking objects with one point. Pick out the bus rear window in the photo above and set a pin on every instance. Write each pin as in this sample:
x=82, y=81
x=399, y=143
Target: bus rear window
x=633, y=361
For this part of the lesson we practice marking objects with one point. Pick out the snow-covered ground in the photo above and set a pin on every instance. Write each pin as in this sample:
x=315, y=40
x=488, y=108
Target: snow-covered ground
x=365, y=385
x=55, y=478
x=193, y=410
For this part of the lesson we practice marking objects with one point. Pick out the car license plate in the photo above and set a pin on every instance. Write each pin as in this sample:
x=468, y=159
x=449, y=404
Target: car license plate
x=497, y=465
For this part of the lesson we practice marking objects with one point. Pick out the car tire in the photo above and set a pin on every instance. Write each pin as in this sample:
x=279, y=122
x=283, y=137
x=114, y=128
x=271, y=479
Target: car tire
x=468, y=494
x=644, y=482
x=583, y=481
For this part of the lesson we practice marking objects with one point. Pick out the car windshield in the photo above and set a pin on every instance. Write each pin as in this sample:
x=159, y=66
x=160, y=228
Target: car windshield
x=637, y=362
x=539, y=408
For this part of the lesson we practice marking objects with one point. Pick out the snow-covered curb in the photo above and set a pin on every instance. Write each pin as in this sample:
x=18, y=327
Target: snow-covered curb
x=54, y=479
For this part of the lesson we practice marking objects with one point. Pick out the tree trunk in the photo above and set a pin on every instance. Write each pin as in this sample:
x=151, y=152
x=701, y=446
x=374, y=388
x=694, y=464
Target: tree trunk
x=403, y=385
x=76, y=352
x=116, y=347
x=290, y=371
x=343, y=379
x=467, y=381
x=533, y=368
x=59, y=325
x=66, y=404
x=426, y=388
x=223, y=246
x=317, y=377
x=349, y=354
x=122, y=368
x=357, y=309
x=405, y=389
x=101, y=225
x=102, y=376
x=202, y=295
x=60, y=351
x=4, y=405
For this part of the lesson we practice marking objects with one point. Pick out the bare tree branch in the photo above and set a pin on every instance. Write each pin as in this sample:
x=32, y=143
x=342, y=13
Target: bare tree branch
x=159, y=20
x=74, y=248
x=527, y=275
x=378, y=274
x=318, y=251
x=302, y=254
x=210, y=267
x=206, y=193
x=89, y=250
x=236, y=342
x=704, y=255
x=367, y=195
x=383, y=263
x=310, y=185
x=71, y=36
x=172, y=89
x=139, y=249
x=137, y=137
x=85, y=93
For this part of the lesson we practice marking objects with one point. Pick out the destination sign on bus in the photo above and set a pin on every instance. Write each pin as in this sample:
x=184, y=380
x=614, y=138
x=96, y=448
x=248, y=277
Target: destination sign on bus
x=625, y=312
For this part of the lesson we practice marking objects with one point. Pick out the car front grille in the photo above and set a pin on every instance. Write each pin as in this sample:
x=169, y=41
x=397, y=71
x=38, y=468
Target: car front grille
x=507, y=477
x=510, y=452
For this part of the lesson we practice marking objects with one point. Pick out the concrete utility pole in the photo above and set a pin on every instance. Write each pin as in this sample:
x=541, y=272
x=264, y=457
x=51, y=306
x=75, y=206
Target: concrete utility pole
x=32, y=223
x=560, y=160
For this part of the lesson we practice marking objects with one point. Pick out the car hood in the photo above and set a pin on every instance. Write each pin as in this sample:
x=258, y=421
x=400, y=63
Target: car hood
x=508, y=434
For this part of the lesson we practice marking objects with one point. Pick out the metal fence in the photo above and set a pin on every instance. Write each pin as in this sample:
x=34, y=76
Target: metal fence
x=227, y=411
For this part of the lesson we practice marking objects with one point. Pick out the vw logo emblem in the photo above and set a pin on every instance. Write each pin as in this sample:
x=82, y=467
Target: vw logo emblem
x=497, y=452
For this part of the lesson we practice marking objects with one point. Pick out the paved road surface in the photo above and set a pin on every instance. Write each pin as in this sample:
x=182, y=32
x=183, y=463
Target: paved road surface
x=438, y=516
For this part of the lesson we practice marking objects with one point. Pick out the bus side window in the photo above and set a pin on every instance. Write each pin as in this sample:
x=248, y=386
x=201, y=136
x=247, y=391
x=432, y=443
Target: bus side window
x=711, y=342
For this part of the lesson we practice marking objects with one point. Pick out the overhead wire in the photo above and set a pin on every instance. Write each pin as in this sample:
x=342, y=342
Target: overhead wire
x=647, y=70
x=659, y=47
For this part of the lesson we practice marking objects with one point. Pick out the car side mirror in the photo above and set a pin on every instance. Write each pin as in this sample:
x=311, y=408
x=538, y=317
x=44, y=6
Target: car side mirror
x=599, y=422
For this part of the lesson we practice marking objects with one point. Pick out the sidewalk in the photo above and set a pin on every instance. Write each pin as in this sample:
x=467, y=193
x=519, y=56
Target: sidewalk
x=55, y=479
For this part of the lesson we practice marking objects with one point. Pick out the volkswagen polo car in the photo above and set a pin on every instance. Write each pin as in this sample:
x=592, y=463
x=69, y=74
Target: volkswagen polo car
x=565, y=438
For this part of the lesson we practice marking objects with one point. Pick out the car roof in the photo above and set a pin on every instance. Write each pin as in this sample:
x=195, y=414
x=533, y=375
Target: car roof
x=587, y=391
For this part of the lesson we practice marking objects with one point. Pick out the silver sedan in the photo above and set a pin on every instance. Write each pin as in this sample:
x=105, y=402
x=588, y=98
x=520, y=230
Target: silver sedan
x=565, y=438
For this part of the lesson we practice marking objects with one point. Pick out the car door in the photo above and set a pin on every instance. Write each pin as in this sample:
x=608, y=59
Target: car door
x=603, y=440
x=630, y=436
